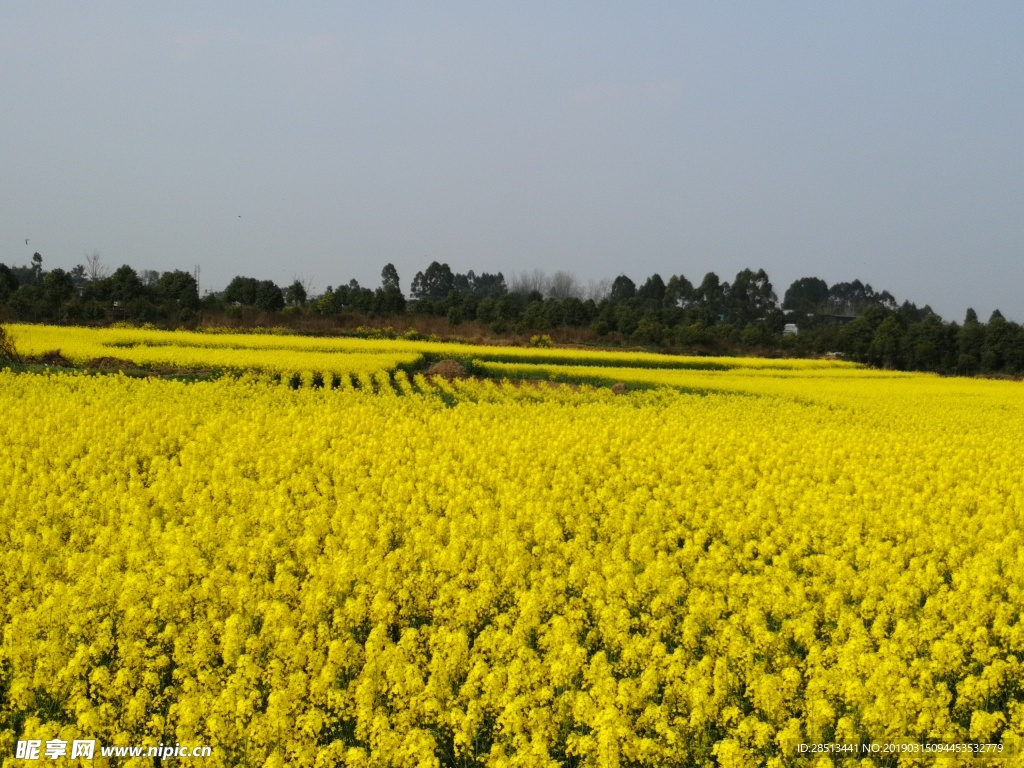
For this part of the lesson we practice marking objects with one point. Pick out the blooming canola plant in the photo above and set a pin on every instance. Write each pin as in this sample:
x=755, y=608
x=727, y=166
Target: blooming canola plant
x=716, y=568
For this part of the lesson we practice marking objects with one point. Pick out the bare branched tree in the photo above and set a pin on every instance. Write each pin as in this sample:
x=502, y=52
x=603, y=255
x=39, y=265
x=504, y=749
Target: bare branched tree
x=597, y=290
x=95, y=269
x=306, y=282
x=562, y=285
x=527, y=282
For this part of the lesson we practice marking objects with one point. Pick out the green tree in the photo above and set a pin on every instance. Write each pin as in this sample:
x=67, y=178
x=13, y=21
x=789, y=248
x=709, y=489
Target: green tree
x=487, y=310
x=627, y=318
x=807, y=296
x=8, y=283
x=854, y=298
x=58, y=287
x=856, y=338
x=926, y=344
x=79, y=276
x=750, y=298
x=996, y=345
x=242, y=290
x=886, y=347
x=487, y=285
x=712, y=294
x=652, y=292
x=295, y=295
x=534, y=317
x=970, y=340
x=623, y=289
x=178, y=287
x=250, y=292
x=389, y=301
x=389, y=278
x=650, y=330
x=37, y=267
x=269, y=297
x=1013, y=351
x=125, y=284
x=678, y=292
x=435, y=283
x=754, y=335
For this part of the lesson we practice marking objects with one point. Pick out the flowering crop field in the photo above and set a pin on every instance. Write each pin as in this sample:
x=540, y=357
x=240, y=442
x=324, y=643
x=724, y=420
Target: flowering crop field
x=287, y=354
x=718, y=569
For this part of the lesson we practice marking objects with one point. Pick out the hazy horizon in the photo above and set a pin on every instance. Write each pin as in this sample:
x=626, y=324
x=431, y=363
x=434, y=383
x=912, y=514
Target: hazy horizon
x=869, y=141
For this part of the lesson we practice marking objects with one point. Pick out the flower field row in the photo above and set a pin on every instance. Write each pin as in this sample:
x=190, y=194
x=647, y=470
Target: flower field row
x=290, y=354
x=176, y=350
x=472, y=573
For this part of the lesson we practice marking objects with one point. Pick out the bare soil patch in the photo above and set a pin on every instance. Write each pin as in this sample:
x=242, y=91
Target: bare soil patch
x=55, y=359
x=448, y=369
x=110, y=363
x=538, y=383
x=172, y=372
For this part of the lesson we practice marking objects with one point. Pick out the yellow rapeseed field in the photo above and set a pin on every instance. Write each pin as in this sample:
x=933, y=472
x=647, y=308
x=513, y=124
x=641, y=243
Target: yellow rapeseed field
x=236, y=352
x=287, y=354
x=713, y=570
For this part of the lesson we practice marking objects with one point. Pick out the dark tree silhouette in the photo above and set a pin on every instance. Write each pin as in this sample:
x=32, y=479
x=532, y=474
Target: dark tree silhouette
x=623, y=289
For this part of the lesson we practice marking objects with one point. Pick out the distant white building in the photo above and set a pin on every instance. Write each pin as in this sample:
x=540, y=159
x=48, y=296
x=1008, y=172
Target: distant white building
x=789, y=330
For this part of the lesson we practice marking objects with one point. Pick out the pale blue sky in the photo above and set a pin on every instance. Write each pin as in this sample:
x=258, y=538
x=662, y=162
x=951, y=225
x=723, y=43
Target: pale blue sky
x=871, y=140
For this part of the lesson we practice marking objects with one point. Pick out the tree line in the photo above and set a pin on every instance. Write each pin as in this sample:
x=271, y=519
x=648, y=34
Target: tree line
x=712, y=316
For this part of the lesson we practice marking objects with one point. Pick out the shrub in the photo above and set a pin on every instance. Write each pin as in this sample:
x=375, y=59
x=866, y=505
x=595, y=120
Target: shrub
x=7, y=349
